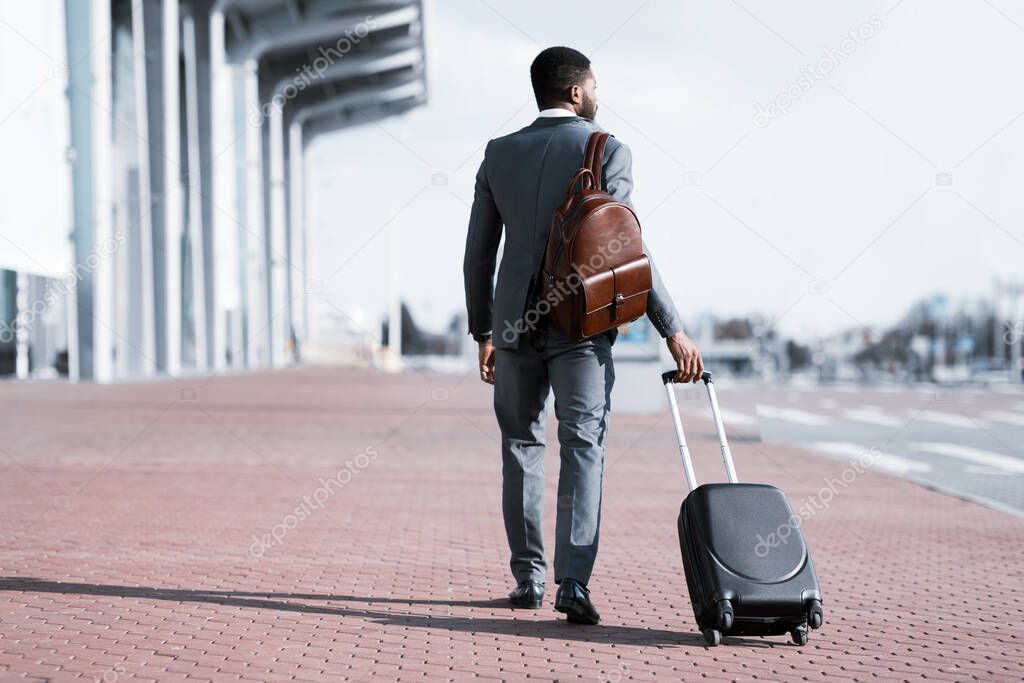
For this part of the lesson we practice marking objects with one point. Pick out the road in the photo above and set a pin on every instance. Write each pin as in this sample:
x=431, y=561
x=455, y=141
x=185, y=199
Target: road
x=963, y=441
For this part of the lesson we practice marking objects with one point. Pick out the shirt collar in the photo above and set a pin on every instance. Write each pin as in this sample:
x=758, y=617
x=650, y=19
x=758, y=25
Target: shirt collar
x=555, y=112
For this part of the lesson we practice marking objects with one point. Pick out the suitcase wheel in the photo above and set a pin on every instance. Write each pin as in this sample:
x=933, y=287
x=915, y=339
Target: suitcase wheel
x=815, y=616
x=712, y=636
x=799, y=635
x=724, y=615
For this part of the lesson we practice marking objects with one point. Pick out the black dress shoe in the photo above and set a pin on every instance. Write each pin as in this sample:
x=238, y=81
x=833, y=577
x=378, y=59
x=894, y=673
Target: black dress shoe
x=573, y=599
x=528, y=594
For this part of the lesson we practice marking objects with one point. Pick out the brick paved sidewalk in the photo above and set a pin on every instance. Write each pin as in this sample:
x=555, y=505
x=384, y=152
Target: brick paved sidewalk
x=211, y=529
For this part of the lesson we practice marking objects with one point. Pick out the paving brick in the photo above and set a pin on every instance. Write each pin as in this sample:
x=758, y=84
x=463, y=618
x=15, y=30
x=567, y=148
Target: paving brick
x=162, y=567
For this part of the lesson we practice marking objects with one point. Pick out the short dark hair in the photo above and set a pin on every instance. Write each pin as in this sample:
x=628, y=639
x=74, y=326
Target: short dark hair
x=555, y=70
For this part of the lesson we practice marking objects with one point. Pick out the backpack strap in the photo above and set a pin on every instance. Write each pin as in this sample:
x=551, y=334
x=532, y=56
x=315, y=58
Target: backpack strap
x=594, y=156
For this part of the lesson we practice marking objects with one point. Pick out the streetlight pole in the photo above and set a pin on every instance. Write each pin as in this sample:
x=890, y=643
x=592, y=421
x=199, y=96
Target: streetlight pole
x=1017, y=332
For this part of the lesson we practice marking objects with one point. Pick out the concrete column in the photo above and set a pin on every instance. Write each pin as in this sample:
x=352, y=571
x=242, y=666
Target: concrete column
x=196, y=174
x=279, y=265
x=150, y=221
x=204, y=121
x=297, y=233
x=23, y=332
x=242, y=208
x=103, y=195
x=173, y=221
x=226, y=283
x=257, y=294
x=79, y=38
x=159, y=164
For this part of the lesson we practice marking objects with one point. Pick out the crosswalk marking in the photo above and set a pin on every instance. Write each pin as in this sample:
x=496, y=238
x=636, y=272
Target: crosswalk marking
x=732, y=417
x=887, y=461
x=793, y=415
x=970, y=454
x=948, y=419
x=1002, y=416
x=873, y=415
x=981, y=469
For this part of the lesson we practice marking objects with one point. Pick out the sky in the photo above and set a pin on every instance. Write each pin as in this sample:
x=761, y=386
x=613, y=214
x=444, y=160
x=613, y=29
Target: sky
x=35, y=187
x=894, y=176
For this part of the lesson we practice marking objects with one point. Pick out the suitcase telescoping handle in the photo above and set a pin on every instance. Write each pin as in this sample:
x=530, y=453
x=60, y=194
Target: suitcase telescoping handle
x=684, y=451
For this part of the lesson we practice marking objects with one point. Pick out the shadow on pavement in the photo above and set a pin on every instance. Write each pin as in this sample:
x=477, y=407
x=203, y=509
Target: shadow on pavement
x=556, y=628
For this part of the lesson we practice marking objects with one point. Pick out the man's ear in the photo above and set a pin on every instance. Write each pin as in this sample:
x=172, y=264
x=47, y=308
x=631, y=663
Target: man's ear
x=576, y=94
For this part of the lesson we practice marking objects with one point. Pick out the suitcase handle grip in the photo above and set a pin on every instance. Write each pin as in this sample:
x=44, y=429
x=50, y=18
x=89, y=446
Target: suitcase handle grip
x=667, y=376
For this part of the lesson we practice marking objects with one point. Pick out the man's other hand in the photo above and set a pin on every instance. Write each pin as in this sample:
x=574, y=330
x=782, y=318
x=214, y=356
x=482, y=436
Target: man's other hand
x=487, y=361
x=684, y=352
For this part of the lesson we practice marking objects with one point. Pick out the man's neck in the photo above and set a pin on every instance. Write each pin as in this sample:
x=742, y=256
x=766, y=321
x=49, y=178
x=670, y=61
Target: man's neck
x=556, y=111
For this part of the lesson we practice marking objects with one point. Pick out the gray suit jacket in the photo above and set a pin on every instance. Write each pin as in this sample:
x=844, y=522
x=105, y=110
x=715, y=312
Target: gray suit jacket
x=521, y=182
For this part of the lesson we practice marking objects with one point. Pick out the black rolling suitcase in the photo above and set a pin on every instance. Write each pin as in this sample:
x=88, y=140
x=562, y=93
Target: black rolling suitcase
x=747, y=566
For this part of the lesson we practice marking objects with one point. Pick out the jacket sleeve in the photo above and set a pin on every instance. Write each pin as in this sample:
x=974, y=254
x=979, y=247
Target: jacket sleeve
x=618, y=181
x=482, y=241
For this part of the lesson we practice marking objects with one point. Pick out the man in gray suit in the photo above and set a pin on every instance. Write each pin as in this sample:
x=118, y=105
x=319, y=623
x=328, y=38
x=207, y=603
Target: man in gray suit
x=521, y=182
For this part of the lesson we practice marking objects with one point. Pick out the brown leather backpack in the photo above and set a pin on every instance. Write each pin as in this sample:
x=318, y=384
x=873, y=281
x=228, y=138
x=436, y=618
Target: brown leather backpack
x=595, y=275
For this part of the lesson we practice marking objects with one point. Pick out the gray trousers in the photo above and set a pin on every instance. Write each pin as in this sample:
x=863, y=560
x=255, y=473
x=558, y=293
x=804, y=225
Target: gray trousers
x=581, y=375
